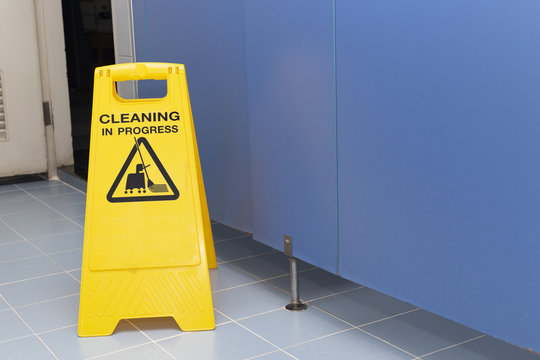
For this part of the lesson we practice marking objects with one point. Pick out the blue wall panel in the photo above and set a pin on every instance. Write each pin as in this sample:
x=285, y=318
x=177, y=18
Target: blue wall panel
x=208, y=37
x=289, y=47
x=438, y=148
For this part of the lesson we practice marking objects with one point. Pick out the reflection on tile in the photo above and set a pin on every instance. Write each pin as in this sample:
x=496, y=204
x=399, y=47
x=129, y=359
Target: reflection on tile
x=25, y=348
x=294, y=326
x=52, y=314
x=13, y=196
x=20, y=207
x=240, y=248
x=66, y=344
x=315, y=283
x=72, y=210
x=485, y=348
x=268, y=265
x=6, y=188
x=46, y=229
x=27, y=268
x=62, y=242
x=362, y=306
x=144, y=352
x=35, y=290
x=37, y=184
x=421, y=332
x=18, y=250
x=226, y=276
x=228, y=341
x=351, y=344
x=11, y=326
x=249, y=300
x=69, y=260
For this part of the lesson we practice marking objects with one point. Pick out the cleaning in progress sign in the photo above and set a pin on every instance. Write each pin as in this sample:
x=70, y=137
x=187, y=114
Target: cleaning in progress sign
x=147, y=238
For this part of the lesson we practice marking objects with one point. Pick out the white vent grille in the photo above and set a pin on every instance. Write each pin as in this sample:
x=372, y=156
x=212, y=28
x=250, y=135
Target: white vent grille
x=3, y=129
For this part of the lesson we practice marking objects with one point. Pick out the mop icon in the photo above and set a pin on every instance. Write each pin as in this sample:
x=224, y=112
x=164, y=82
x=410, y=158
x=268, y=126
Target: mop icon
x=137, y=181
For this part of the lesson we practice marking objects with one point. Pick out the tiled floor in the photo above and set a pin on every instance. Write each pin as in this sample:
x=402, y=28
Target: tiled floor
x=41, y=237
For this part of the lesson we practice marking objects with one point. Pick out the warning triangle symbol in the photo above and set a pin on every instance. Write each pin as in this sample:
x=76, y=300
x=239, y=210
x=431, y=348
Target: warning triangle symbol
x=137, y=185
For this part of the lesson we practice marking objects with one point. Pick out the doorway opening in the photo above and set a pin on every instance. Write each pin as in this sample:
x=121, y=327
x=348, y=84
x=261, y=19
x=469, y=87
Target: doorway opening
x=88, y=35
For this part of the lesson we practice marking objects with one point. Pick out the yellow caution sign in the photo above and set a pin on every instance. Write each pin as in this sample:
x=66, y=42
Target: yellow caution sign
x=147, y=240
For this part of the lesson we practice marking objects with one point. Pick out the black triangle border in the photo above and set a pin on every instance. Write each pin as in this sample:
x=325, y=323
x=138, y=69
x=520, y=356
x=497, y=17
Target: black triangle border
x=142, y=140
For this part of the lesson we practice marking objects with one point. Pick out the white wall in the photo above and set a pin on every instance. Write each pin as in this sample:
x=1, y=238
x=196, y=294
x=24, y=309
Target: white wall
x=56, y=54
x=24, y=151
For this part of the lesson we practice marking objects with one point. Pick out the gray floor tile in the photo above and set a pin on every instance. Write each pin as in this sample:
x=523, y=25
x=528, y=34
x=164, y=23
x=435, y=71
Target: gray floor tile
x=46, y=229
x=164, y=327
x=25, y=348
x=26, y=269
x=249, y=300
x=222, y=232
x=228, y=341
x=285, y=328
x=36, y=290
x=52, y=314
x=269, y=265
x=69, y=260
x=18, y=250
x=276, y=355
x=226, y=276
x=32, y=216
x=72, y=210
x=3, y=305
x=62, y=242
x=14, y=196
x=8, y=236
x=362, y=306
x=65, y=199
x=485, y=348
x=240, y=248
x=20, y=207
x=351, y=344
x=11, y=326
x=6, y=188
x=38, y=184
x=143, y=352
x=79, y=220
x=67, y=345
x=315, y=283
x=53, y=190
x=76, y=274
x=421, y=332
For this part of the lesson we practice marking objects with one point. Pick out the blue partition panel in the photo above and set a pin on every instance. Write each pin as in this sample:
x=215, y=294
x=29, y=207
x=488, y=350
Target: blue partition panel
x=290, y=49
x=438, y=148
x=208, y=37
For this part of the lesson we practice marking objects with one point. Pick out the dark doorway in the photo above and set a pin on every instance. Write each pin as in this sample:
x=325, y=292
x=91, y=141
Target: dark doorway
x=88, y=34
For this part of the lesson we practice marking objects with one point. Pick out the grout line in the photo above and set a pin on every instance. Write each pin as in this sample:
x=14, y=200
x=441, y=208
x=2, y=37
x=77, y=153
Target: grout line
x=320, y=338
x=19, y=259
x=451, y=346
x=28, y=326
x=334, y=294
x=118, y=351
x=16, y=338
x=248, y=257
x=232, y=238
x=71, y=186
x=44, y=254
x=46, y=301
x=152, y=340
x=31, y=278
x=259, y=314
x=387, y=342
x=65, y=251
x=50, y=236
x=257, y=335
x=388, y=318
x=184, y=333
x=57, y=329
